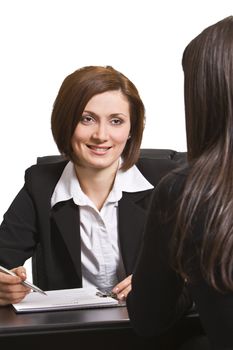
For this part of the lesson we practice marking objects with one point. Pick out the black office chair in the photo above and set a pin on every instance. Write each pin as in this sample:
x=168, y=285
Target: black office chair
x=160, y=161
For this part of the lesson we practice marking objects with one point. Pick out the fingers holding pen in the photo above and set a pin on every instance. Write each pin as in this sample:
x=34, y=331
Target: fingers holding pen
x=11, y=289
x=21, y=272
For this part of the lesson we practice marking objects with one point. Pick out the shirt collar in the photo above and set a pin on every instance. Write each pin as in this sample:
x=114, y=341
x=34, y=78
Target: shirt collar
x=68, y=186
x=130, y=180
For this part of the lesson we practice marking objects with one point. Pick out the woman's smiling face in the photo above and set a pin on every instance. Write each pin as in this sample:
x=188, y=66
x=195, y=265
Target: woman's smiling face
x=103, y=130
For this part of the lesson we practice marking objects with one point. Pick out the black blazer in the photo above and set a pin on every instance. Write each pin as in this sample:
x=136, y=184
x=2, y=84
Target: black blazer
x=51, y=236
x=154, y=315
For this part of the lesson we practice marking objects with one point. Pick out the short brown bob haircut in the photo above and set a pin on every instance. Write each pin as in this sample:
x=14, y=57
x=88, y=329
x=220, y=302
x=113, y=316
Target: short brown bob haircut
x=75, y=92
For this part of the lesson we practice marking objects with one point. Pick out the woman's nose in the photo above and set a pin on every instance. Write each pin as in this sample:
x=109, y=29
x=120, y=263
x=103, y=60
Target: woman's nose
x=101, y=132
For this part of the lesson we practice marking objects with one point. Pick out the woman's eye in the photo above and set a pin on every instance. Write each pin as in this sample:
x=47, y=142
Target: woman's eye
x=87, y=119
x=116, y=121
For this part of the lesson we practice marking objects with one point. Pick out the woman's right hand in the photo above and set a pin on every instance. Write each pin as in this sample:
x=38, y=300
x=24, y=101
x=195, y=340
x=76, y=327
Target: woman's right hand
x=11, y=289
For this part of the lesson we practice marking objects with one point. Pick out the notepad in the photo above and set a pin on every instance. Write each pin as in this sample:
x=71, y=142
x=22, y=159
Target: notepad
x=63, y=299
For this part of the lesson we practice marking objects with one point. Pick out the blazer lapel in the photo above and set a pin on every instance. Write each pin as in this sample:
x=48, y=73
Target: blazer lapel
x=132, y=216
x=66, y=217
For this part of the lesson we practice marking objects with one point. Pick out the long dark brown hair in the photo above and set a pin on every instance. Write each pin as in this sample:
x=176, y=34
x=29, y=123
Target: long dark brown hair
x=208, y=89
x=75, y=92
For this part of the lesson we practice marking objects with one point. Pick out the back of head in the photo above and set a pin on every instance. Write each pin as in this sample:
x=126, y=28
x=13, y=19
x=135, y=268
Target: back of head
x=75, y=92
x=208, y=72
x=208, y=88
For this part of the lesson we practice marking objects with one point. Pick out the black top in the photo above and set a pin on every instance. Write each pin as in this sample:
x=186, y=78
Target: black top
x=154, y=302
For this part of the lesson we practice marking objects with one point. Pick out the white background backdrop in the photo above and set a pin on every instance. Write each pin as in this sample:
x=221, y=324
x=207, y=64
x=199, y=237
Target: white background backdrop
x=42, y=41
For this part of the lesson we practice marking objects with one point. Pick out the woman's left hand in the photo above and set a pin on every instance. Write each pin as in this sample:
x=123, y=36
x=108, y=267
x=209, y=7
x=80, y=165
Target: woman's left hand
x=123, y=288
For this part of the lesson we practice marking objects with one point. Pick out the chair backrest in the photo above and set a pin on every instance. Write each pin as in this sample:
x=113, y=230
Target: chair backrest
x=163, y=153
x=149, y=153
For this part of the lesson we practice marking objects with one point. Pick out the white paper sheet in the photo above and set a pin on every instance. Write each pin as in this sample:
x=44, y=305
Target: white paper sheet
x=64, y=299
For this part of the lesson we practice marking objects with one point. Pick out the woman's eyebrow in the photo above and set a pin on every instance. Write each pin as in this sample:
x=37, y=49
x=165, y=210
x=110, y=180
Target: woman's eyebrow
x=110, y=115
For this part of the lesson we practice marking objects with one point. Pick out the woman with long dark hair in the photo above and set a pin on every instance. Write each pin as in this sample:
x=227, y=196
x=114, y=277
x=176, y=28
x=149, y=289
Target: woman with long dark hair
x=189, y=232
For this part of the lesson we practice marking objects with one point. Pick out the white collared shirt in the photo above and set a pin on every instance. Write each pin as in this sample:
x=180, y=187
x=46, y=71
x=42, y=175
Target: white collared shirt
x=101, y=260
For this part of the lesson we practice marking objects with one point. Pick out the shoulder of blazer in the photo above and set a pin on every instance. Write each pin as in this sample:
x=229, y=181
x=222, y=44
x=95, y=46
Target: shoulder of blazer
x=40, y=177
x=155, y=169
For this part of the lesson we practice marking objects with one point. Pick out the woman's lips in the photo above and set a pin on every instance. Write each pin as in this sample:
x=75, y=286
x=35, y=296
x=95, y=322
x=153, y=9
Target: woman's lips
x=98, y=149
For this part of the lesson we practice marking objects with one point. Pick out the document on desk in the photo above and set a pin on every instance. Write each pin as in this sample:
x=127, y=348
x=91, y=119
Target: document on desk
x=65, y=299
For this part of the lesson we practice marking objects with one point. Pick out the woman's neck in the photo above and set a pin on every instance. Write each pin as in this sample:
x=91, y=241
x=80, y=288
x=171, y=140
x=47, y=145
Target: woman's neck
x=96, y=183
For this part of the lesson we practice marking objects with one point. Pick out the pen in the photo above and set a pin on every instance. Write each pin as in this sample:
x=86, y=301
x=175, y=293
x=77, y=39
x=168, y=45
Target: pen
x=25, y=283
